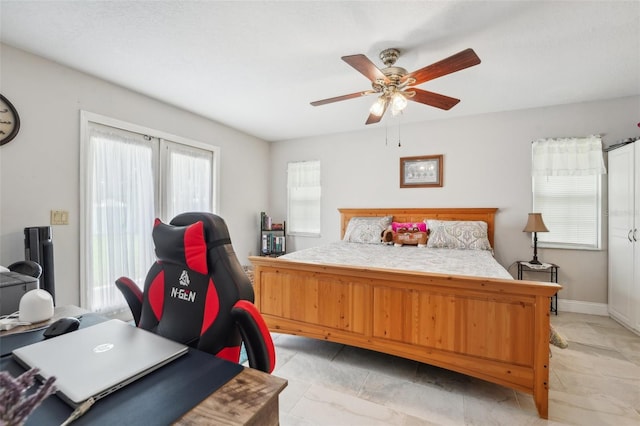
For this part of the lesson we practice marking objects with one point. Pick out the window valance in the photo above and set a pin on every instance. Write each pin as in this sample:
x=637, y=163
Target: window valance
x=567, y=157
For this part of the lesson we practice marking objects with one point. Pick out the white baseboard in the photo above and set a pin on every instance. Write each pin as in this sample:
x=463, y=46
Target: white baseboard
x=580, y=307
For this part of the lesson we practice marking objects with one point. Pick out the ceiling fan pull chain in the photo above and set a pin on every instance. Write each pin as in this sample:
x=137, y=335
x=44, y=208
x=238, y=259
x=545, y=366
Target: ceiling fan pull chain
x=386, y=134
x=399, y=124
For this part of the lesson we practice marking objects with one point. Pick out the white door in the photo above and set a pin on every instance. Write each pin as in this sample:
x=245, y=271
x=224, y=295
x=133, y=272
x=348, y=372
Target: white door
x=635, y=296
x=621, y=256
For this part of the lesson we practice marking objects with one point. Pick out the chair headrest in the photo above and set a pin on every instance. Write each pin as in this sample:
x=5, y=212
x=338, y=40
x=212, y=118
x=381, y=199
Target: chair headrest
x=183, y=245
x=215, y=228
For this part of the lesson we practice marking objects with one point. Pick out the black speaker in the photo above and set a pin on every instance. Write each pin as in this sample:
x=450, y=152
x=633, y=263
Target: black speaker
x=38, y=246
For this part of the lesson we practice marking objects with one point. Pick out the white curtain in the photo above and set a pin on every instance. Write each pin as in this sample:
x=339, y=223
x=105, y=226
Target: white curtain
x=304, y=190
x=567, y=157
x=120, y=197
x=189, y=180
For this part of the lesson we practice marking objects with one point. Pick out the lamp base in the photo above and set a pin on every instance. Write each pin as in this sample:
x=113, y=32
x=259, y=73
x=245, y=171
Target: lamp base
x=535, y=261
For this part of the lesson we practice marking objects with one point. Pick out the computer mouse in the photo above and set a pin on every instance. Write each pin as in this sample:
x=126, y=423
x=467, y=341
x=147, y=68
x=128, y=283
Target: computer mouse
x=61, y=326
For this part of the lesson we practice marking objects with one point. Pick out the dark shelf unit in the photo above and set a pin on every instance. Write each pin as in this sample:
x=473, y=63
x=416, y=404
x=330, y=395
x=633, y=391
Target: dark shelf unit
x=273, y=237
x=548, y=268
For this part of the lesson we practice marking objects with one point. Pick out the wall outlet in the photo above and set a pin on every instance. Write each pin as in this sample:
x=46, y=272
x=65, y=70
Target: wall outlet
x=59, y=217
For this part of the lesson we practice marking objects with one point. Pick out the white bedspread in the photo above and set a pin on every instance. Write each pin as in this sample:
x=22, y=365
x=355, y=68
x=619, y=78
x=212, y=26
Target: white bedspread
x=477, y=263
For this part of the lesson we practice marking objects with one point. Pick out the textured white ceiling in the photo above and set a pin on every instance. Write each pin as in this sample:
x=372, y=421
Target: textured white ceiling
x=256, y=65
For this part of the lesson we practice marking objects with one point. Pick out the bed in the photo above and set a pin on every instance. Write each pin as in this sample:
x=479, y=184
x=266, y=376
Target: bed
x=492, y=328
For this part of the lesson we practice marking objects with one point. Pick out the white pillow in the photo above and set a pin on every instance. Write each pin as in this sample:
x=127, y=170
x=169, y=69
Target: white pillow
x=458, y=234
x=366, y=230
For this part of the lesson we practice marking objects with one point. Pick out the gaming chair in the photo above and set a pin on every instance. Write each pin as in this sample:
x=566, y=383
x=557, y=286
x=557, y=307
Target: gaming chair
x=197, y=292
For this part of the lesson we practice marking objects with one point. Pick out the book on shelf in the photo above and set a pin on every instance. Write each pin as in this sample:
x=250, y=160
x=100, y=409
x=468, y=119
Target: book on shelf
x=265, y=221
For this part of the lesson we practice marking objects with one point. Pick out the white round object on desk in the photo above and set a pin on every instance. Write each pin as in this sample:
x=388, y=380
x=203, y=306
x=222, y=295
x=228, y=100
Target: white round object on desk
x=36, y=306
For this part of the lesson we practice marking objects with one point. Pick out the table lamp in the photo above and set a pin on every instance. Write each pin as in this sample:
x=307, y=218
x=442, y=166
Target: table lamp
x=535, y=224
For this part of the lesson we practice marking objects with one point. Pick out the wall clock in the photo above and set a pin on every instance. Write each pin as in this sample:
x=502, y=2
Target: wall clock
x=9, y=121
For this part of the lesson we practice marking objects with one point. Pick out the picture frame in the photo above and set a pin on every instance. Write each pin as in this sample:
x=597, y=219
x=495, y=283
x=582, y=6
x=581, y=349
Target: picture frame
x=423, y=171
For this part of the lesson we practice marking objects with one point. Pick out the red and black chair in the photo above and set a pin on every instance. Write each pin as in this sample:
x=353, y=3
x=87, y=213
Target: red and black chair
x=197, y=292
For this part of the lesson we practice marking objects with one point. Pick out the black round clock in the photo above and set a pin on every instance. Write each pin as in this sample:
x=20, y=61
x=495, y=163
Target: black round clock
x=9, y=121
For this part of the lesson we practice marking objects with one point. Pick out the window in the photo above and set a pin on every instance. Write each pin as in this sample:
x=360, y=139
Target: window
x=570, y=207
x=303, y=198
x=128, y=179
x=567, y=191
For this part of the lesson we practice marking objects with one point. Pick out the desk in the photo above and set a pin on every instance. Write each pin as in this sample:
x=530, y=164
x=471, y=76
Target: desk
x=250, y=398
x=549, y=268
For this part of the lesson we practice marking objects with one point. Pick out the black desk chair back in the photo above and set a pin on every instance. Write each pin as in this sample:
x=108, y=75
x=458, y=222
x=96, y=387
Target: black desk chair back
x=26, y=267
x=197, y=292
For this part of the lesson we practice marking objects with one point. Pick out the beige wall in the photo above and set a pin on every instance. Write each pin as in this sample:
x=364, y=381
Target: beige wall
x=486, y=164
x=39, y=169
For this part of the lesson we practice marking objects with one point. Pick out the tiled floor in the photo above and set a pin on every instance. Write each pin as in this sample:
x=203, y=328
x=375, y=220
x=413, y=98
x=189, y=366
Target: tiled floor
x=595, y=381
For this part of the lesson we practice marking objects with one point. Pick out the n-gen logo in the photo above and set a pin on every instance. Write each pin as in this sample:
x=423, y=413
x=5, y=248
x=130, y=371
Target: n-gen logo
x=183, y=293
x=184, y=279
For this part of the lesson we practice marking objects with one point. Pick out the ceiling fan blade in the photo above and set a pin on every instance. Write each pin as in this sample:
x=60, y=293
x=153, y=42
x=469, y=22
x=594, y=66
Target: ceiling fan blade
x=461, y=60
x=432, y=99
x=376, y=118
x=367, y=68
x=342, y=98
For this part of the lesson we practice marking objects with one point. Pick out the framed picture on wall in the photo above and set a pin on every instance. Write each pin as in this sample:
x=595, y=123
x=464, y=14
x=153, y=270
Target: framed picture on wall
x=421, y=172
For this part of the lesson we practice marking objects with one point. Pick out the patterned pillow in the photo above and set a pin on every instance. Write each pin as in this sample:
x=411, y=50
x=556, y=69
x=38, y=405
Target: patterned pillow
x=366, y=230
x=455, y=234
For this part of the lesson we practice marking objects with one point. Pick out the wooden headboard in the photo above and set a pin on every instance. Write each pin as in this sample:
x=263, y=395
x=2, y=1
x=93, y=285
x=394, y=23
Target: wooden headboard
x=419, y=214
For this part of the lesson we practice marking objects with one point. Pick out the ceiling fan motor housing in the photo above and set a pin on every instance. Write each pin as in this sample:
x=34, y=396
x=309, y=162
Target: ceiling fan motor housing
x=389, y=56
x=393, y=74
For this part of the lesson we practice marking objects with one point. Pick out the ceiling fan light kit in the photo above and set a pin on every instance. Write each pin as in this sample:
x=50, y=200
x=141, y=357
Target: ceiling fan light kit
x=395, y=85
x=378, y=106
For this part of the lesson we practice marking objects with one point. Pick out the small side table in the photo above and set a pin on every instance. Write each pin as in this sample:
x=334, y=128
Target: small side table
x=549, y=268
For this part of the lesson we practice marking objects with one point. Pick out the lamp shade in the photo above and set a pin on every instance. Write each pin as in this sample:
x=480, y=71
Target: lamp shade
x=535, y=223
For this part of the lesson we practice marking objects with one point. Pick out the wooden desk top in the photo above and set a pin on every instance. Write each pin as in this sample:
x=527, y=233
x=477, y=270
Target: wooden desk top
x=250, y=398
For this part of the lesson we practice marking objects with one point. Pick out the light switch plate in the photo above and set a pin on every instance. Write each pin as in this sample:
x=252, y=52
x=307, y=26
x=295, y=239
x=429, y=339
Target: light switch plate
x=59, y=217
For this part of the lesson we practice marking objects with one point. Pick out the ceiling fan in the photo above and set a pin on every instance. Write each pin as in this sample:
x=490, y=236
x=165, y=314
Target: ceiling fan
x=396, y=86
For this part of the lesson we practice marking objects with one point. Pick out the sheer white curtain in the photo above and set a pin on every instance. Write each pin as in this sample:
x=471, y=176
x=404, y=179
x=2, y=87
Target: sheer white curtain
x=120, y=214
x=303, y=193
x=189, y=180
x=129, y=179
x=568, y=157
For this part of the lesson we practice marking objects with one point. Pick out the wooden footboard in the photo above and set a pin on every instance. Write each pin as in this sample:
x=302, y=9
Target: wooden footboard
x=492, y=329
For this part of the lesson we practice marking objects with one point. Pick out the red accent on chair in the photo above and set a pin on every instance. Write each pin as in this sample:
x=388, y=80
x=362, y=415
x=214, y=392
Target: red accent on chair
x=251, y=309
x=156, y=295
x=230, y=353
x=212, y=307
x=194, y=247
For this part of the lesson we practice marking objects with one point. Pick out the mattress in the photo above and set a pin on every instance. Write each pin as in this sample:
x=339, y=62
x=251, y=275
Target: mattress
x=476, y=263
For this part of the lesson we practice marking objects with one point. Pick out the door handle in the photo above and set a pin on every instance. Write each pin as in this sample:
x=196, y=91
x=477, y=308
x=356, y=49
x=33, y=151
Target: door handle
x=634, y=234
x=629, y=235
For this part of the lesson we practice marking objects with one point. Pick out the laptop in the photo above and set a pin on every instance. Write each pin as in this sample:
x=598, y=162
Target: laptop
x=98, y=360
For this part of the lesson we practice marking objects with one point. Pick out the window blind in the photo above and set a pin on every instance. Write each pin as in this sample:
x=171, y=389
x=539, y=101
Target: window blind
x=570, y=206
